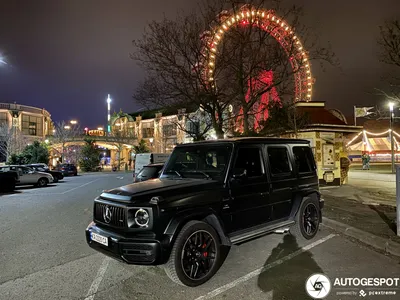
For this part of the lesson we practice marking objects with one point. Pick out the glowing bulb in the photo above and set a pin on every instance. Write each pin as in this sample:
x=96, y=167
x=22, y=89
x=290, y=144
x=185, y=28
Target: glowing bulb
x=287, y=28
x=273, y=18
x=248, y=14
x=300, y=48
x=224, y=26
x=252, y=13
x=211, y=63
x=218, y=37
x=263, y=14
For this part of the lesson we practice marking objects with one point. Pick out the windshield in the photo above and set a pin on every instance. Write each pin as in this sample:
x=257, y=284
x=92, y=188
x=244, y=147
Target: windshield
x=205, y=161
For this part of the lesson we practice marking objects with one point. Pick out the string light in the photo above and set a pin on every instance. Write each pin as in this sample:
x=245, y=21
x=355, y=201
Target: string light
x=259, y=17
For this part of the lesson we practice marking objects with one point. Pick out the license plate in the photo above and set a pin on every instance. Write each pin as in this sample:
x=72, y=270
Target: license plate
x=99, y=238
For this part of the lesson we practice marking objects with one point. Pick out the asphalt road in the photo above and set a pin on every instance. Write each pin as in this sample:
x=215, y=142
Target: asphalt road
x=43, y=255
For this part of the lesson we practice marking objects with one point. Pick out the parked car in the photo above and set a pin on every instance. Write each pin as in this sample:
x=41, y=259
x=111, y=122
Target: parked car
x=210, y=195
x=148, y=172
x=144, y=159
x=28, y=176
x=68, y=169
x=57, y=175
x=8, y=180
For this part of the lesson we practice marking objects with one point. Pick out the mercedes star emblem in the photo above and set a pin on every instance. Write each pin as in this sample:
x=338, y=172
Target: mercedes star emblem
x=107, y=215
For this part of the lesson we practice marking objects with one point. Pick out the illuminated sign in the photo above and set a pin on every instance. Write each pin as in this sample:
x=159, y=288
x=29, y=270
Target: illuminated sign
x=96, y=132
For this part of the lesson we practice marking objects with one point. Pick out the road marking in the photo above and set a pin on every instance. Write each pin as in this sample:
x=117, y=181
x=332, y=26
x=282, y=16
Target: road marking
x=257, y=272
x=97, y=280
x=78, y=187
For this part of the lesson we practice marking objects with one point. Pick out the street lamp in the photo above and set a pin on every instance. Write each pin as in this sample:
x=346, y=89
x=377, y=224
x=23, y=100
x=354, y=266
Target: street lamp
x=67, y=127
x=151, y=140
x=73, y=122
x=108, y=113
x=391, y=106
x=2, y=60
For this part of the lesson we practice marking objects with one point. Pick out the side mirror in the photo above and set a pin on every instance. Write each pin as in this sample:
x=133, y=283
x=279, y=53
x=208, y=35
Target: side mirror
x=239, y=173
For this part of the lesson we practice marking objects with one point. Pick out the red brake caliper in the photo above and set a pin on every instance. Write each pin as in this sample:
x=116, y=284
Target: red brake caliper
x=204, y=253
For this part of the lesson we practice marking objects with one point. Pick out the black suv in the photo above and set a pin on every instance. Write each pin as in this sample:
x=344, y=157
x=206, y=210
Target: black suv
x=210, y=195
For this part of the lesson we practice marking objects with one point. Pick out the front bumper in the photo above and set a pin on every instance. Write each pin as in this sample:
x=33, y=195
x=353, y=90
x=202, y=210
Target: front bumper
x=136, y=251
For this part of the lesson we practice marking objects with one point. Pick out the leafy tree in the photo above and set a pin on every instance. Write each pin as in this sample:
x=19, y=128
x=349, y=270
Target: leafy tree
x=141, y=147
x=16, y=159
x=90, y=156
x=36, y=153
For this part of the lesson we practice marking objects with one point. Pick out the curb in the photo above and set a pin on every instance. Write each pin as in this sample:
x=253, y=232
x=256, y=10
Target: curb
x=377, y=242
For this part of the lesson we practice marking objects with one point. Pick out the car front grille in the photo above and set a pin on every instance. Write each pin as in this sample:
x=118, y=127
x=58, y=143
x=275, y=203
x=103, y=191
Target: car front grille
x=118, y=216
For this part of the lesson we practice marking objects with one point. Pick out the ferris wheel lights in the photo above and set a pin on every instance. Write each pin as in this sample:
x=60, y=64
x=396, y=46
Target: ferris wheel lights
x=300, y=48
x=242, y=15
x=308, y=71
x=273, y=18
x=294, y=37
x=211, y=63
x=224, y=26
x=287, y=28
x=252, y=13
x=217, y=36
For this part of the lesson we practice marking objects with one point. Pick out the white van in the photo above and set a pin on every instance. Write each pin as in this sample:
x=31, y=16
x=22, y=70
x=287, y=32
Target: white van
x=144, y=159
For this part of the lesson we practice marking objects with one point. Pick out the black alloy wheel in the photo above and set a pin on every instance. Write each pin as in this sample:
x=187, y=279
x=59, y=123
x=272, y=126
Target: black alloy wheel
x=310, y=219
x=198, y=255
x=195, y=256
x=307, y=219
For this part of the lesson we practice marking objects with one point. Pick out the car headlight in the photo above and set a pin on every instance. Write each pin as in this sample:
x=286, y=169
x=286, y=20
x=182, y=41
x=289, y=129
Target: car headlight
x=142, y=217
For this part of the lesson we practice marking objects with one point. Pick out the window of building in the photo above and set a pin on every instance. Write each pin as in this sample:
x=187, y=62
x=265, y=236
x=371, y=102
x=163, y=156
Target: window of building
x=147, y=129
x=279, y=160
x=32, y=125
x=249, y=159
x=3, y=118
x=169, y=130
x=304, y=159
x=193, y=127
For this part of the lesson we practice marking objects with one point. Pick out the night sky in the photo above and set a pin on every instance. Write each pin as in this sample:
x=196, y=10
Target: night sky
x=66, y=56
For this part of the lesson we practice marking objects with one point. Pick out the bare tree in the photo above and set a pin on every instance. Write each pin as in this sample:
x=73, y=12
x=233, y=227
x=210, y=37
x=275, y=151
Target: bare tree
x=389, y=41
x=172, y=53
x=65, y=133
x=11, y=141
x=186, y=67
x=120, y=137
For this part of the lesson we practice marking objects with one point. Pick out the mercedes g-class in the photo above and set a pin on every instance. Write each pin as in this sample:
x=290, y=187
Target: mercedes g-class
x=210, y=194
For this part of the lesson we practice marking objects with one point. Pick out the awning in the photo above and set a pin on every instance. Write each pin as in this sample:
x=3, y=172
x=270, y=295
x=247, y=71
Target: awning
x=374, y=145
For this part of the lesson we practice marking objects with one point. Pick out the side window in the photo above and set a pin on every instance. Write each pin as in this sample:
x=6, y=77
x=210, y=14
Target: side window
x=279, y=160
x=304, y=159
x=25, y=170
x=249, y=159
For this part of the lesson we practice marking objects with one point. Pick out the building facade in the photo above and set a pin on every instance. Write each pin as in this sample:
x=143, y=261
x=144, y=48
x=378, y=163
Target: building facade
x=21, y=125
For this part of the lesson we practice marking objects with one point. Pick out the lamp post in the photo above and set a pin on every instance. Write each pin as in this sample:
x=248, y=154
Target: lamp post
x=108, y=113
x=391, y=106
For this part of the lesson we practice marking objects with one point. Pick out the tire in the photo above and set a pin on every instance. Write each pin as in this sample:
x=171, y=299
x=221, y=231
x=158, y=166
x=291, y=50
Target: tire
x=307, y=226
x=189, y=238
x=55, y=179
x=75, y=174
x=42, y=182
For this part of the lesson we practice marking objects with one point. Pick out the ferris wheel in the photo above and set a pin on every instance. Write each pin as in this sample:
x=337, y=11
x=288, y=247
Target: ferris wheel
x=277, y=28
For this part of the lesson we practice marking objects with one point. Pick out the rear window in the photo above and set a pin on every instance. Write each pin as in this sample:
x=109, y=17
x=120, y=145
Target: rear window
x=304, y=159
x=149, y=172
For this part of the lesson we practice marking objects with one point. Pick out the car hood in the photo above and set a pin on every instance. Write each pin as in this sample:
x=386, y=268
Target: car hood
x=43, y=174
x=168, y=189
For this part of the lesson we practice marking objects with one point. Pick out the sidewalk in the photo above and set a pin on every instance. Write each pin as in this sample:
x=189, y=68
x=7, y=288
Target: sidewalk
x=364, y=214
